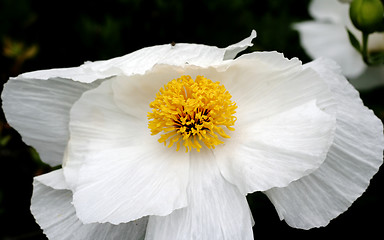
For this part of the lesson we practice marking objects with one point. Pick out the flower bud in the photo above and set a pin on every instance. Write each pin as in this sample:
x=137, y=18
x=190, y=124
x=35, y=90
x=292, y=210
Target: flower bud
x=367, y=15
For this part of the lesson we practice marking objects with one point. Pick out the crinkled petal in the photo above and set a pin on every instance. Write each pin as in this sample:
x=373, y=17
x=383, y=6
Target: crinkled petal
x=233, y=50
x=144, y=59
x=56, y=215
x=216, y=209
x=39, y=111
x=116, y=169
x=331, y=40
x=354, y=157
x=84, y=73
x=265, y=83
x=54, y=179
x=277, y=150
x=133, y=94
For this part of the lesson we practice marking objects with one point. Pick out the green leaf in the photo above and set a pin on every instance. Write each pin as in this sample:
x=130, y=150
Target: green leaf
x=353, y=40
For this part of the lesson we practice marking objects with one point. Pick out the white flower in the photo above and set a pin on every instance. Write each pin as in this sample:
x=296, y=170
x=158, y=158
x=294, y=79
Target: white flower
x=326, y=36
x=299, y=133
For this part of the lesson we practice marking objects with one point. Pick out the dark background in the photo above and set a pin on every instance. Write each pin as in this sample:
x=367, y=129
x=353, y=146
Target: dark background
x=42, y=34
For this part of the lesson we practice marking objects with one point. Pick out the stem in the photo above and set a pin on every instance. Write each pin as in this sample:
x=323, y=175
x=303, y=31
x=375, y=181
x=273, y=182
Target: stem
x=364, y=50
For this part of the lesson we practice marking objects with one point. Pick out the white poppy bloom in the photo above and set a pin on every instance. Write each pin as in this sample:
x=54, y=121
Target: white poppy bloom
x=326, y=36
x=166, y=142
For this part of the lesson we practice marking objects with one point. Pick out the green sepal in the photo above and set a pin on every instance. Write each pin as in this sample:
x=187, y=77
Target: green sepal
x=353, y=40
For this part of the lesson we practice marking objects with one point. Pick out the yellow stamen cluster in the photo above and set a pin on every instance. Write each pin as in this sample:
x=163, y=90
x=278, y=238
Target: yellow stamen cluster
x=192, y=112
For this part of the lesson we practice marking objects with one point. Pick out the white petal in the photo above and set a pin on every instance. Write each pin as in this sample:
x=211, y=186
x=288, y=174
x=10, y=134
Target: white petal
x=331, y=40
x=277, y=150
x=144, y=59
x=116, y=169
x=354, y=157
x=233, y=50
x=39, y=110
x=329, y=10
x=265, y=83
x=84, y=73
x=216, y=209
x=133, y=94
x=54, y=179
x=56, y=215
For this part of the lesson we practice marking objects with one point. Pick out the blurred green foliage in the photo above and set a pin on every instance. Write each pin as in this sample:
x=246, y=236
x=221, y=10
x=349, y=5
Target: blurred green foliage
x=43, y=34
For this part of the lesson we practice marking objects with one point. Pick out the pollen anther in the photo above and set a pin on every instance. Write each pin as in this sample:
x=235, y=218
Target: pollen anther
x=191, y=113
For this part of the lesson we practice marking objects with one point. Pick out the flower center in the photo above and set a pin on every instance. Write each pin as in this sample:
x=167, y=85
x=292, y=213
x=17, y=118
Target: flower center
x=191, y=112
